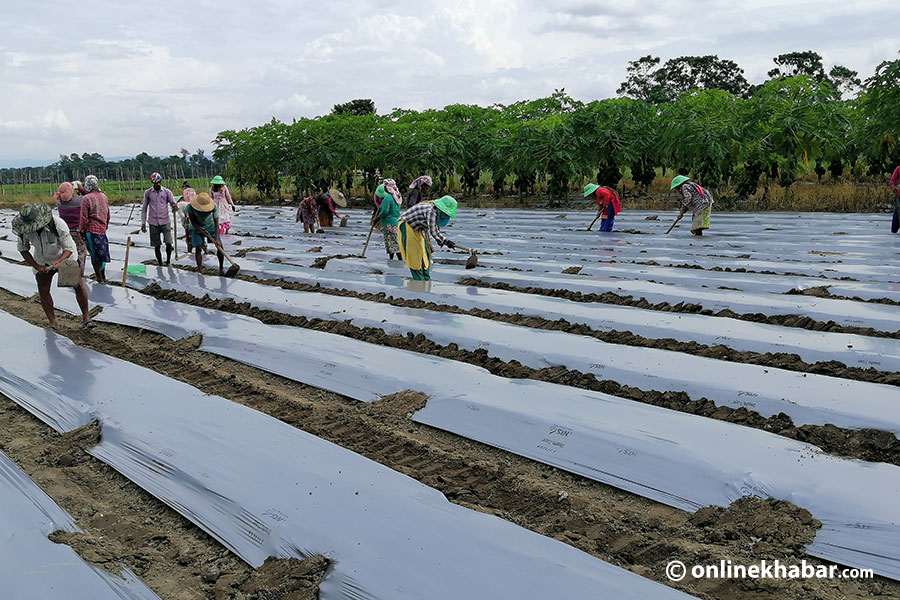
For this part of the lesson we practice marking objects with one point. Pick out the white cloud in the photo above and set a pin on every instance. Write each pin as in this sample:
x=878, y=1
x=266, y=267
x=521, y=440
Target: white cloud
x=131, y=84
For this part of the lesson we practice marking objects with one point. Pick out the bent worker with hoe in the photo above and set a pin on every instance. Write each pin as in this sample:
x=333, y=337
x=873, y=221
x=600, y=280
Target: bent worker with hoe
x=695, y=198
x=417, y=225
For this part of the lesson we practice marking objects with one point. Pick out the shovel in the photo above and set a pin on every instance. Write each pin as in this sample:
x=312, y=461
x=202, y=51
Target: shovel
x=472, y=261
x=371, y=229
x=592, y=222
x=234, y=268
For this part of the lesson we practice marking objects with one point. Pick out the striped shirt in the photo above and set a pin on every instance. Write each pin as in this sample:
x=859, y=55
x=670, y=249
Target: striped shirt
x=423, y=218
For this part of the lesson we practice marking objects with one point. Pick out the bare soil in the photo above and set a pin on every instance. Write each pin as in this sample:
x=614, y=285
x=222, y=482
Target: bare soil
x=613, y=525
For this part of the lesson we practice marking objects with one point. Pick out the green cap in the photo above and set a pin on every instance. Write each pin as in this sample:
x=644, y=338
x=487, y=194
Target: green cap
x=217, y=179
x=590, y=189
x=678, y=181
x=446, y=205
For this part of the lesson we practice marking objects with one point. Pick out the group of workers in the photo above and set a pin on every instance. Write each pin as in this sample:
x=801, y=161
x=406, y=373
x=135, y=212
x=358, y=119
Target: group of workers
x=410, y=229
x=48, y=242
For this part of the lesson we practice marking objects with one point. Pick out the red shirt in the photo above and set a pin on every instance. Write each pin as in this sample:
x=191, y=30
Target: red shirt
x=94, y=213
x=604, y=197
x=895, y=178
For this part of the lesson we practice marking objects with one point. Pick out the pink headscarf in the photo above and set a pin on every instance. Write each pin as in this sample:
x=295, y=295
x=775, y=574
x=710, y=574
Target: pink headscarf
x=65, y=193
x=390, y=186
x=424, y=179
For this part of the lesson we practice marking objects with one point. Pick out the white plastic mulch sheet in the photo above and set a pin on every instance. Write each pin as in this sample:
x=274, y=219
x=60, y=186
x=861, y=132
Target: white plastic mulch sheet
x=812, y=346
x=683, y=460
x=265, y=488
x=806, y=398
x=34, y=568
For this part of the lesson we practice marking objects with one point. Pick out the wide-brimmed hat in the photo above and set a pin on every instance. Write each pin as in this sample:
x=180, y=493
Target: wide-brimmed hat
x=590, y=189
x=446, y=205
x=217, y=179
x=202, y=202
x=337, y=197
x=678, y=181
x=31, y=217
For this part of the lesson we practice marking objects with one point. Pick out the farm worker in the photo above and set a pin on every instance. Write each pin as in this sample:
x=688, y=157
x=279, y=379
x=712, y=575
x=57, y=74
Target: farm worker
x=417, y=225
x=155, y=210
x=94, y=222
x=222, y=197
x=608, y=204
x=204, y=218
x=44, y=242
x=895, y=183
x=306, y=212
x=326, y=211
x=182, y=202
x=388, y=217
x=695, y=198
x=68, y=204
x=418, y=190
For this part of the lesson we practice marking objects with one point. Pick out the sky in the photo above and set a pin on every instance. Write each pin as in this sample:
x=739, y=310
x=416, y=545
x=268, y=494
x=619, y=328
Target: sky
x=120, y=78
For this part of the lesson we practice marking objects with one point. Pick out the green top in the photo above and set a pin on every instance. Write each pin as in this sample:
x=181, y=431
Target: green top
x=207, y=219
x=389, y=213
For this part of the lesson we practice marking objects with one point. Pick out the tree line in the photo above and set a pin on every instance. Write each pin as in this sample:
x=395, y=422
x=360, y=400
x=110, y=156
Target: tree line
x=694, y=115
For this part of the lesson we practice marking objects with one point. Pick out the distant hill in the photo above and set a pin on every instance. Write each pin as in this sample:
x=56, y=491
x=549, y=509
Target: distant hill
x=11, y=163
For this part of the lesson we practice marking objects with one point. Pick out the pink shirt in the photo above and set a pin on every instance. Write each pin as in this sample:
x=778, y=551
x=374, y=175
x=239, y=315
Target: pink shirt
x=155, y=209
x=895, y=178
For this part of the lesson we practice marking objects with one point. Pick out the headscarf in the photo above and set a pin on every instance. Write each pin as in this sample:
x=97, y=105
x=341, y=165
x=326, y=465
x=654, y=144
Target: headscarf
x=390, y=186
x=65, y=193
x=155, y=178
x=189, y=194
x=91, y=184
x=423, y=180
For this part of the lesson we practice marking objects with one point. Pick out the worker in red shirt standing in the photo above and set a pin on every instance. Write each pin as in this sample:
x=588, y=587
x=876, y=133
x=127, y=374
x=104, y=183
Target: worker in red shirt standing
x=895, y=184
x=608, y=205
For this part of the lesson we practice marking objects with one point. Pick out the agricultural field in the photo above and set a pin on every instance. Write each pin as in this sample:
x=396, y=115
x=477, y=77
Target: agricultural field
x=564, y=420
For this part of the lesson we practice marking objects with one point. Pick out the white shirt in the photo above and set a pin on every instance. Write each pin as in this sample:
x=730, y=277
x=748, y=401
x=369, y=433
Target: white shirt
x=45, y=247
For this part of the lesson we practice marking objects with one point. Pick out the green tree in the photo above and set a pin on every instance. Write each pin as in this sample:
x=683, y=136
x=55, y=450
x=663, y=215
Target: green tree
x=359, y=107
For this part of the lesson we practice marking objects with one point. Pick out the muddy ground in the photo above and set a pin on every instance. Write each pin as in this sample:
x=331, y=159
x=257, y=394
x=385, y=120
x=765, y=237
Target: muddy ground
x=616, y=526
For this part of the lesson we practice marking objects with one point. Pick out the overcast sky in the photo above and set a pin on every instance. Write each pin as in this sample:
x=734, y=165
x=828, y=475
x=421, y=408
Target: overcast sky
x=120, y=78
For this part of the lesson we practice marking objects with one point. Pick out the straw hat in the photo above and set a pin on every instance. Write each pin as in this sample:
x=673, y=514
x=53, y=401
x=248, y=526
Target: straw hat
x=202, y=202
x=31, y=217
x=337, y=197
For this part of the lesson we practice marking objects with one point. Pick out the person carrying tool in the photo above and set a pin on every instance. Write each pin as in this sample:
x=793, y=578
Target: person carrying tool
x=608, y=205
x=695, y=198
x=155, y=210
x=388, y=216
x=895, y=184
x=182, y=202
x=45, y=242
x=417, y=225
x=327, y=211
x=204, y=218
x=94, y=223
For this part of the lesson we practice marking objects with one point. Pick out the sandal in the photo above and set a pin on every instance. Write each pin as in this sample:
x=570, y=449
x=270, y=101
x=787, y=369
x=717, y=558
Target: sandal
x=52, y=327
x=89, y=324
